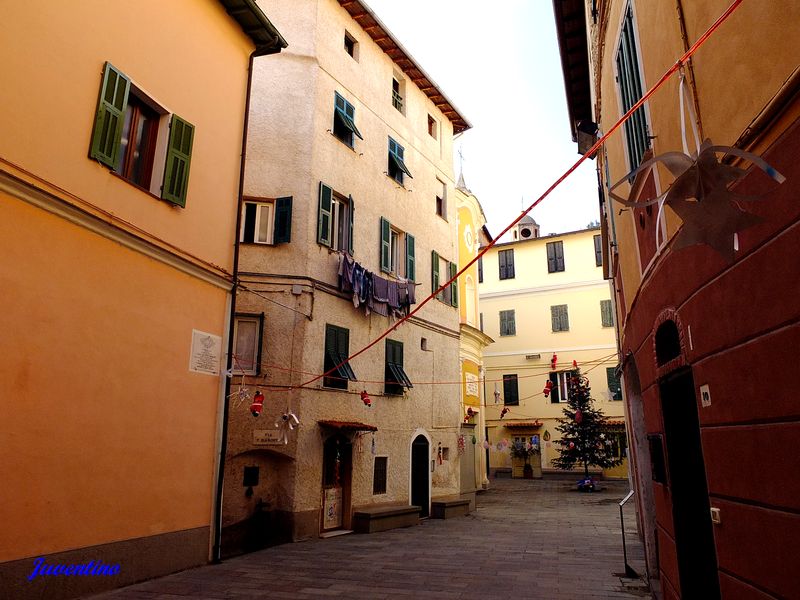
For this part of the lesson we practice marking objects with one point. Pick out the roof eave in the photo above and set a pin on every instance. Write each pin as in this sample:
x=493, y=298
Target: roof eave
x=255, y=24
x=570, y=17
x=381, y=35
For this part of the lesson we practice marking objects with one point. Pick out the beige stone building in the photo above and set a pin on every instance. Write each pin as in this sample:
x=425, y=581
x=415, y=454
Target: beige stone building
x=545, y=297
x=472, y=236
x=349, y=158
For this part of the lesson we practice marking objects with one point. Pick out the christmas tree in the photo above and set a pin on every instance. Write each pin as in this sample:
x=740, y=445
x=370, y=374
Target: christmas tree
x=582, y=438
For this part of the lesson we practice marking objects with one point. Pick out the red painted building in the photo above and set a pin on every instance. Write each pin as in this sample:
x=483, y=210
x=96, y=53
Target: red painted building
x=707, y=282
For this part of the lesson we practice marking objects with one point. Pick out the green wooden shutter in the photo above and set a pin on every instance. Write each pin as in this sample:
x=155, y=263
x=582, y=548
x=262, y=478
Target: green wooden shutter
x=606, y=314
x=551, y=258
x=283, y=221
x=510, y=264
x=556, y=322
x=410, y=258
x=454, y=284
x=179, y=157
x=613, y=383
x=435, y=273
x=503, y=323
x=350, y=225
x=324, y=220
x=559, y=247
x=386, y=235
x=111, y=106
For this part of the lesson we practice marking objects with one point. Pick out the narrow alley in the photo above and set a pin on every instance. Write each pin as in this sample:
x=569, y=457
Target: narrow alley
x=527, y=539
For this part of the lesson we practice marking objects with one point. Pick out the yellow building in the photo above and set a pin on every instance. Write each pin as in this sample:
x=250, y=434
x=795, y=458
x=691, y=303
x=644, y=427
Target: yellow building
x=349, y=159
x=545, y=303
x=472, y=235
x=119, y=175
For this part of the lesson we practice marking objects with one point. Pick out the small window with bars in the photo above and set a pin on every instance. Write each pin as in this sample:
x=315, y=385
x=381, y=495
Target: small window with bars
x=379, y=475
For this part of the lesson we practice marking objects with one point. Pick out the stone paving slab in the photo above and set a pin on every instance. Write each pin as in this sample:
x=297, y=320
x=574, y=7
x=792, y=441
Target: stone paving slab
x=527, y=539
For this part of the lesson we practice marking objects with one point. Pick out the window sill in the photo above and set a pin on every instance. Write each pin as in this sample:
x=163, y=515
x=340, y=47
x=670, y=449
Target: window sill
x=394, y=181
x=345, y=144
x=143, y=190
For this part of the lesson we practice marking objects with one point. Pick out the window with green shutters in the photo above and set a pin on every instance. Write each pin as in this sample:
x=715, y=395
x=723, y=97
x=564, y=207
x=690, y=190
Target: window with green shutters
x=506, y=260
x=606, y=313
x=397, y=166
x=510, y=390
x=344, y=121
x=629, y=82
x=508, y=325
x=110, y=117
x=395, y=376
x=598, y=251
x=337, y=349
x=555, y=257
x=614, y=386
x=125, y=134
x=559, y=317
x=179, y=157
x=411, y=268
x=397, y=251
x=441, y=272
x=335, y=220
x=266, y=221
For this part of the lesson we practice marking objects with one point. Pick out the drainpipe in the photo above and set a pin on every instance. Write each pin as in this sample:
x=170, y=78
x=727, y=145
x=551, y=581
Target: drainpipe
x=217, y=524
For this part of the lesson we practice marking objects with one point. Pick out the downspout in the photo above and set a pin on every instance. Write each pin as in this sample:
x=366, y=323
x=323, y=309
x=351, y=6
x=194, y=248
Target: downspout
x=690, y=65
x=216, y=551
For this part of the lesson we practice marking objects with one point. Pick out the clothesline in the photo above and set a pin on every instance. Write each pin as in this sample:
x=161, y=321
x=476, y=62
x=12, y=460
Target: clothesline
x=388, y=298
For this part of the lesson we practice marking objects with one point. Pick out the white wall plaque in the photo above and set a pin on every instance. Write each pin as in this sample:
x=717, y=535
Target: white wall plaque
x=205, y=353
x=266, y=437
x=472, y=384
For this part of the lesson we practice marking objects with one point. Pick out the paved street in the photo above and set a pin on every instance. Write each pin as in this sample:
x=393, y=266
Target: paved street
x=527, y=539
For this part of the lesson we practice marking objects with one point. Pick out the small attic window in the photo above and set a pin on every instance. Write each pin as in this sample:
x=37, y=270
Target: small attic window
x=351, y=45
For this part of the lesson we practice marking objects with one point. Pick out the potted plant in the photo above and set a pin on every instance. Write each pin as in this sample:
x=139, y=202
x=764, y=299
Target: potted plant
x=524, y=450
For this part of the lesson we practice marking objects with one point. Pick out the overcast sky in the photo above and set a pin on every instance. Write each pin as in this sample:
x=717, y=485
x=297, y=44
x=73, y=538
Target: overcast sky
x=498, y=62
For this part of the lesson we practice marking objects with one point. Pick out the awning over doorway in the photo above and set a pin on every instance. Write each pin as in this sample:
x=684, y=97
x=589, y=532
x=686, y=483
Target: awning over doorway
x=522, y=424
x=347, y=425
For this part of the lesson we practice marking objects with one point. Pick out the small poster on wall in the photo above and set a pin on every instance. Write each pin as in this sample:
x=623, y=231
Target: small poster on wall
x=332, y=506
x=205, y=353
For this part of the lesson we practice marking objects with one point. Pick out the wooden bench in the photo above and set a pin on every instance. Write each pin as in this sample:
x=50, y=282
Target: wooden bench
x=446, y=508
x=370, y=519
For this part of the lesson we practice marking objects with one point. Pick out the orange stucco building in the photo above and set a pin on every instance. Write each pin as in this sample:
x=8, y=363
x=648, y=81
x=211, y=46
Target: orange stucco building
x=120, y=161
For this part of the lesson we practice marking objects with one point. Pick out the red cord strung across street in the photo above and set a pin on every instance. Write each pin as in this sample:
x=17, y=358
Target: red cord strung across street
x=678, y=64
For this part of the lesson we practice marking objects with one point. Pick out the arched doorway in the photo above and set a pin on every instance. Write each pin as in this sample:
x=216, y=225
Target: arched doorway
x=420, y=474
x=337, y=462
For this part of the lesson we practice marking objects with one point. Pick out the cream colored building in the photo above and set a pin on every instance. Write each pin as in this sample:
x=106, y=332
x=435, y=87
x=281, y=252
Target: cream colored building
x=540, y=298
x=120, y=166
x=349, y=154
x=472, y=236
